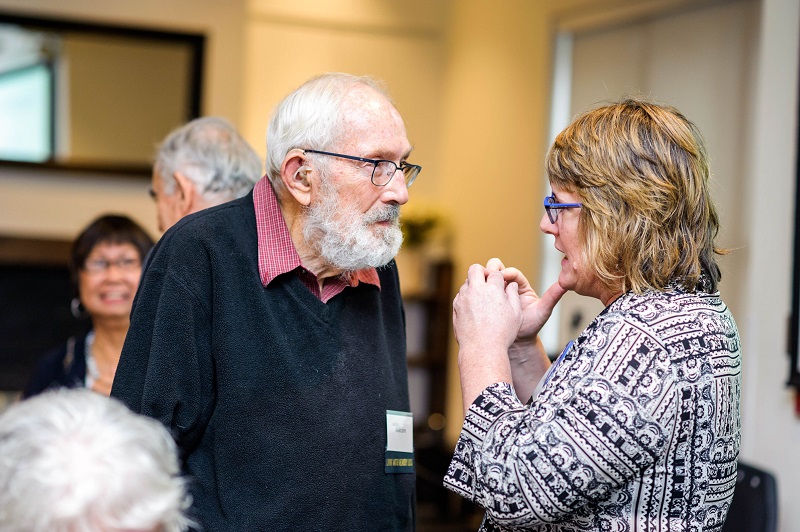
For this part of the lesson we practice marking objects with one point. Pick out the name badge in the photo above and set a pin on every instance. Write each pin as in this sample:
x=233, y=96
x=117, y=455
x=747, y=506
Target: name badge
x=399, y=442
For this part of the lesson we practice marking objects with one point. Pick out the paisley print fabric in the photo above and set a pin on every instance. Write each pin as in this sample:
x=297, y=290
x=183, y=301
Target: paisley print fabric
x=637, y=428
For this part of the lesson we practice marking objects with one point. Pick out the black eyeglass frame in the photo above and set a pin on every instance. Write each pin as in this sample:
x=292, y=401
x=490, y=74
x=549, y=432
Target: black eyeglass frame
x=414, y=169
x=552, y=208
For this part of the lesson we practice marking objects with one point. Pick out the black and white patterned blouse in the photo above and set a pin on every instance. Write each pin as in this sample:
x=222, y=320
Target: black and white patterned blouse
x=637, y=428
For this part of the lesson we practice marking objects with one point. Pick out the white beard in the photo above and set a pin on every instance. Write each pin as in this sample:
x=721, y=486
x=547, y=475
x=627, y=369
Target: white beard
x=347, y=239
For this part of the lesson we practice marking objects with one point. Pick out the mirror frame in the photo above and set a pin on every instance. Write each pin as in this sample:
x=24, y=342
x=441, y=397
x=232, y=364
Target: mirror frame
x=195, y=41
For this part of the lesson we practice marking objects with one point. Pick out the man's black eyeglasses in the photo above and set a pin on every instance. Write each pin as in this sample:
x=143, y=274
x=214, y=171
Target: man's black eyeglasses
x=552, y=208
x=382, y=170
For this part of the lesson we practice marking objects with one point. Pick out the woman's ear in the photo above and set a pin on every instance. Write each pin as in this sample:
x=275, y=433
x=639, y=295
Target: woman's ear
x=296, y=176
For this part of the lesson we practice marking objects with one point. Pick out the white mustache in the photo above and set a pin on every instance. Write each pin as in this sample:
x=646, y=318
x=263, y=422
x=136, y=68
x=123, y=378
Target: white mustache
x=389, y=213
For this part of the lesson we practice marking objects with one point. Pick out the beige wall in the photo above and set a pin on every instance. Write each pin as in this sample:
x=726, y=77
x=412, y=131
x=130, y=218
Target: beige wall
x=400, y=43
x=494, y=136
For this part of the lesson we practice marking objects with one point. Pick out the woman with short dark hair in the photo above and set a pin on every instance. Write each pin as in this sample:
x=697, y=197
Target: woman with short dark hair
x=105, y=267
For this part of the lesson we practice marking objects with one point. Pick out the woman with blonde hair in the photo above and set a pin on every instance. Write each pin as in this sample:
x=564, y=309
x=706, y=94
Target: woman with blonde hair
x=635, y=426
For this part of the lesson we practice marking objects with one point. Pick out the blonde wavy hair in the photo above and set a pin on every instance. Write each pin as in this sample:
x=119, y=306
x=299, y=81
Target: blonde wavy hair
x=641, y=171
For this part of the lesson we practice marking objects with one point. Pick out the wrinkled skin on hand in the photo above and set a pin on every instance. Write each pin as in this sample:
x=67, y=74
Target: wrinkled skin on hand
x=497, y=317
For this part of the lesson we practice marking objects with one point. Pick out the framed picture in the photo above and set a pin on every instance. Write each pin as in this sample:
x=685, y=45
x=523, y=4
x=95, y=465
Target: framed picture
x=90, y=96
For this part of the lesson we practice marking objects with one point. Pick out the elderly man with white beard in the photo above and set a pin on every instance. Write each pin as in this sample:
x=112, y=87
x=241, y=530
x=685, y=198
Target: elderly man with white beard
x=268, y=334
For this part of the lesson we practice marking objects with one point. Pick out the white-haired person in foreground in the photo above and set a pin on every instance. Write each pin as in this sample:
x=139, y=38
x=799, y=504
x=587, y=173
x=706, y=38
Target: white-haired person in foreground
x=74, y=460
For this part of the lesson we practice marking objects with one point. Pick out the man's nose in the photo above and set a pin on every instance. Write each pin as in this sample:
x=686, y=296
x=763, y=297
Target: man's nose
x=396, y=191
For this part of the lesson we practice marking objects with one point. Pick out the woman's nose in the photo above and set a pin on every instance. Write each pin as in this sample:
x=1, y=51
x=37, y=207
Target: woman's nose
x=547, y=226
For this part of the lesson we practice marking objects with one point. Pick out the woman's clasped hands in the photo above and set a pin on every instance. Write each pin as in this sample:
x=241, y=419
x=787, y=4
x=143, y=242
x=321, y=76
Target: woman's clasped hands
x=497, y=317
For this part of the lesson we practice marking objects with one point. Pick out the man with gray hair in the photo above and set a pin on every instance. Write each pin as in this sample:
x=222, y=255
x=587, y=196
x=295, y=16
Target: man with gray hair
x=269, y=335
x=201, y=164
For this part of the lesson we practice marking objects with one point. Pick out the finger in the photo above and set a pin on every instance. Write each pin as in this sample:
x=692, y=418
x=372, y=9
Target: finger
x=495, y=278
x=466, y=279
x=512, y=293
x=552, y=296
x=514, y=275
x=494, y=264
x=475, y=273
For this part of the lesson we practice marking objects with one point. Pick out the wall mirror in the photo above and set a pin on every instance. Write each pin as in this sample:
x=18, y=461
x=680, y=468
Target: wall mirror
x=77, y=95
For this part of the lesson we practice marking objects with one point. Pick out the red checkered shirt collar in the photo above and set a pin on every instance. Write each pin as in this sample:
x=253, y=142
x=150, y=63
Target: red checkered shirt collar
x=277, y=254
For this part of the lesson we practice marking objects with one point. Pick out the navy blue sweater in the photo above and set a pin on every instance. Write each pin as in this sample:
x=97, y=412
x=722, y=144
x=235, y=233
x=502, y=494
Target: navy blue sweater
x=62, y=367
x=277, y=401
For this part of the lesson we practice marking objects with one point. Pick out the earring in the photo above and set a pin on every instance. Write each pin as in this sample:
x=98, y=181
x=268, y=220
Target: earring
x=76, y=310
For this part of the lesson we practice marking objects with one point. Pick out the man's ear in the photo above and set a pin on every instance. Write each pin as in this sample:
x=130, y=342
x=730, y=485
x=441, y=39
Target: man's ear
x=184, y=193
x=295, y=174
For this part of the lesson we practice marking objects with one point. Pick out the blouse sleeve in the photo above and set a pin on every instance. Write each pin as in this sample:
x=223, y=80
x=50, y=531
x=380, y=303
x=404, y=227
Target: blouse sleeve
x=602, y=420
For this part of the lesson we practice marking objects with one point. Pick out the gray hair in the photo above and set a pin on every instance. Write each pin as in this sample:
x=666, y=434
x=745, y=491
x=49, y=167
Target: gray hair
x=311, y=117
x=211, y=153
x=72, y=459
